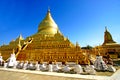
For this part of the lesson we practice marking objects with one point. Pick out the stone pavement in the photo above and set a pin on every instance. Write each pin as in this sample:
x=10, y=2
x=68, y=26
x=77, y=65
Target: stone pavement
x=116, y=75
x=18, y=74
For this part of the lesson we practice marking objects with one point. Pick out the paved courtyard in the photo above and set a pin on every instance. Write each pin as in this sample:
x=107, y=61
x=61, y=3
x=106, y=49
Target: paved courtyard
x=15, y=74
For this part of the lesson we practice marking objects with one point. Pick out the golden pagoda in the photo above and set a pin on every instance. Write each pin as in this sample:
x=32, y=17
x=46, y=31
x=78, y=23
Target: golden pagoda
x=109, y=46
x=48, y=44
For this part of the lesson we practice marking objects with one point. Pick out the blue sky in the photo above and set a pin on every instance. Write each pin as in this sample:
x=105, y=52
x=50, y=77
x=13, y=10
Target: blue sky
x=83, y=21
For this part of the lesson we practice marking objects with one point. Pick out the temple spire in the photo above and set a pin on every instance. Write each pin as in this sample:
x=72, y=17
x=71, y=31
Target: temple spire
x=108, y=37
x=105, y=28
x=48, y=13
x=48, y=9
x=20, y=37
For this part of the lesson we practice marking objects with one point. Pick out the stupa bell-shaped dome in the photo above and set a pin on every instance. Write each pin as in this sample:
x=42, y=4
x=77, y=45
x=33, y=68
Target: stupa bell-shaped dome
x=48, y=26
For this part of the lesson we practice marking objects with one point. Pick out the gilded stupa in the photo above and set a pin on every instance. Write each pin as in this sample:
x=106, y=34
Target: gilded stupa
x=48, y=25
x=48, y=44
x=108, y=38
x=109, y=46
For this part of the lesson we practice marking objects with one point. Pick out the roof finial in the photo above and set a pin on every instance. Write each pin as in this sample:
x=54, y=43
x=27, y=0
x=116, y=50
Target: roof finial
x=77, y=43
x=105, y=28
x=20, y=37
x=48, y=9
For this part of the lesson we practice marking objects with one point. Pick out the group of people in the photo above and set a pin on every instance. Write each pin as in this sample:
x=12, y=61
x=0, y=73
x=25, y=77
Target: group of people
x=99, y=64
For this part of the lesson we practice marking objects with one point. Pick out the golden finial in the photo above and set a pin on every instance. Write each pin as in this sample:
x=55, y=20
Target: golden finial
x=20, y=37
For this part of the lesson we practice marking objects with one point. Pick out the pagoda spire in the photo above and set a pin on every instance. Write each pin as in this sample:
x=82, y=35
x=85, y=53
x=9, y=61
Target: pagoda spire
x=108, y=37
x=48, y=9
x=48, y=12
x=20, y=37
x=105, y=28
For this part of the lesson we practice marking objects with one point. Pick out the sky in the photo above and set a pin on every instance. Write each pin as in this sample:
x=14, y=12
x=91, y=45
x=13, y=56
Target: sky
x=82, y=21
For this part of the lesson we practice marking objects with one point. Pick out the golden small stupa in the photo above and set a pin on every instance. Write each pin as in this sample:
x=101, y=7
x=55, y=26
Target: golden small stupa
x=109, y=46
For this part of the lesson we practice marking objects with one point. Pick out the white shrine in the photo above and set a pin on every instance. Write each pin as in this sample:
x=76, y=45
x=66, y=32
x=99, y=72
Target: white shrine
x=100, y=64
